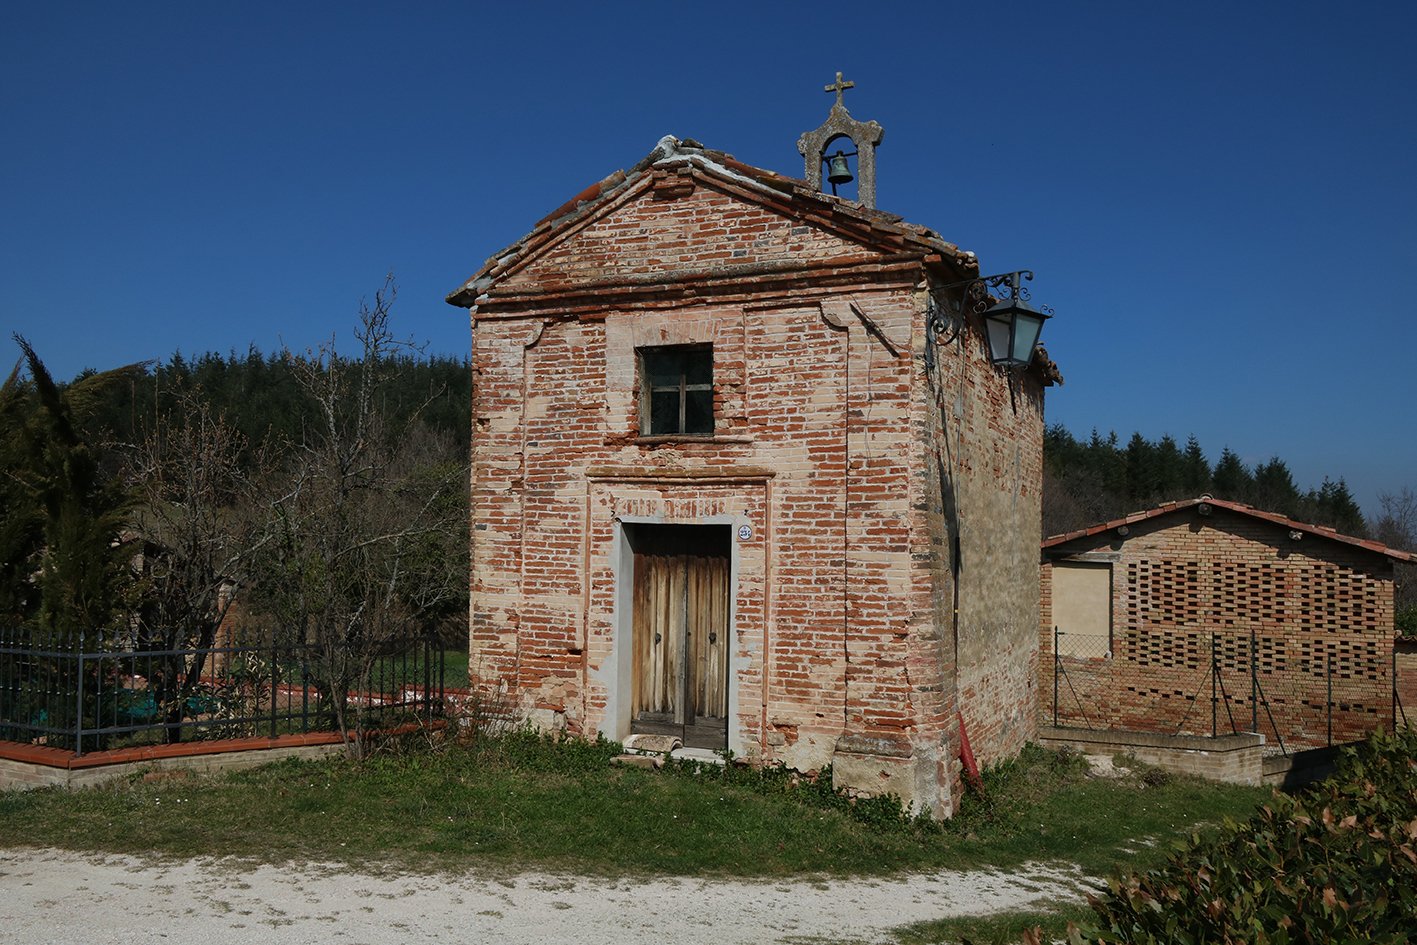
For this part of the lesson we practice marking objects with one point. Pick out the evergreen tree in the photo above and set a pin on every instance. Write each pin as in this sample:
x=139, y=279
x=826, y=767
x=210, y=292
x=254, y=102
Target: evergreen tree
x=1108, y=462
x=1092, y=481
x=21, y=522
x=1231, y=479
x=1195, y=470
x=1274, y=489
x=1169, y=469
x=1143, y=479
x=1336, y=508
x=261, y=396
x=82, y=510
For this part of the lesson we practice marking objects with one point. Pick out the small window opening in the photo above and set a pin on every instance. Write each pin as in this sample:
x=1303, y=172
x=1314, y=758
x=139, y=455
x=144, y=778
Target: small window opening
x=676, y=386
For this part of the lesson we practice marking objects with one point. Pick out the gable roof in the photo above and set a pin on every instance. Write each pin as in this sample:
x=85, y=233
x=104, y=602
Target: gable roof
x=876, y=230
x=1170, y=508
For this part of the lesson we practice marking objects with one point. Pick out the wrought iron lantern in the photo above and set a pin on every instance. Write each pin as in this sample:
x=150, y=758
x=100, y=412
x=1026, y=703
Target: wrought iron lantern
x=1013, y=327
x=1011, y=324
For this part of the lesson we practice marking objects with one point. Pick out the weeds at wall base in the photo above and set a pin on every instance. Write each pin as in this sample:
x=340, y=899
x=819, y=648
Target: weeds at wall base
x=881, y=812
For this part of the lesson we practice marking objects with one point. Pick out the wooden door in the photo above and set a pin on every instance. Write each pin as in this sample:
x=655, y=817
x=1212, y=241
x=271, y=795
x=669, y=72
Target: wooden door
x=681, y=633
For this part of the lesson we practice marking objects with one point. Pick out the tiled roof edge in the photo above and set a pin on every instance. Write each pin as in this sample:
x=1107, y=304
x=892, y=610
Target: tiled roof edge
x=671, y=150
x=1321, y=531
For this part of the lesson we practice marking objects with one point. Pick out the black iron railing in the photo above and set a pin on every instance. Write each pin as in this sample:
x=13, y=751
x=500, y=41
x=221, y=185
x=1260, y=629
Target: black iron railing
x=94, y=698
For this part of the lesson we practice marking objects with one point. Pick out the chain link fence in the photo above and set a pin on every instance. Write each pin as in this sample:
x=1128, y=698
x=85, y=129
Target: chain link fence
x=1300, y=691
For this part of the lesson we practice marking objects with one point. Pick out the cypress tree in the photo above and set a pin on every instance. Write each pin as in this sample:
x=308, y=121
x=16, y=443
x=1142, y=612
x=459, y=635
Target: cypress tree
x=21, y=524
x=83, y=510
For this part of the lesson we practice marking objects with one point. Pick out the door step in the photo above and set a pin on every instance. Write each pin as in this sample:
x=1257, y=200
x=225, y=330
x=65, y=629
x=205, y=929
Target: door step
x=657, y=744
x=697, y=754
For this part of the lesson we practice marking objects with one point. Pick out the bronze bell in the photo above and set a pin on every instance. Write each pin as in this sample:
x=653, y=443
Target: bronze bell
x=840, y=173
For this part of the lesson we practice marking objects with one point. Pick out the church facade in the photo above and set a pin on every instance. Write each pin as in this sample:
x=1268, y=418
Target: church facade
x=730, y=485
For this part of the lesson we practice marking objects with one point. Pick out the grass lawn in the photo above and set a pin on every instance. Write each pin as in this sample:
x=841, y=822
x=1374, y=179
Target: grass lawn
x=524, y=802
x=409, y=669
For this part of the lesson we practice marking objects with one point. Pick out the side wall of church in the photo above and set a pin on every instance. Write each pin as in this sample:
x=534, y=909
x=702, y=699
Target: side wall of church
x=986, y=462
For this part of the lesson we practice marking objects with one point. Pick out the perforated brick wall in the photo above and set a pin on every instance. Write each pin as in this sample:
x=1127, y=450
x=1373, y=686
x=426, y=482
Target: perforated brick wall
x=1225, y=622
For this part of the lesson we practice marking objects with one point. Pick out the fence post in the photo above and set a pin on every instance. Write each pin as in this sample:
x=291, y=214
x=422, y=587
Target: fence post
x=1329, y=675
x=428, y=678
x=304, y=690
x=1214, y=669
x=79, y=709
x=1254, y=685
x=275, y=667
x=1055, y=677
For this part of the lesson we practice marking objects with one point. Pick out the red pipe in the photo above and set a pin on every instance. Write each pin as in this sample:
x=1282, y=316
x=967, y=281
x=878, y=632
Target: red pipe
x=966, y=755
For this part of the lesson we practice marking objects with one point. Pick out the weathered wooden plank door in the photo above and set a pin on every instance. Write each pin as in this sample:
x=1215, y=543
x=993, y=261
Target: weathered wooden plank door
x=681, y=633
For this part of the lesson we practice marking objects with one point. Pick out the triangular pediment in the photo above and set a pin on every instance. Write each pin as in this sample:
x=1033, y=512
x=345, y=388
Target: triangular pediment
x=690, y=214
x=707, y=230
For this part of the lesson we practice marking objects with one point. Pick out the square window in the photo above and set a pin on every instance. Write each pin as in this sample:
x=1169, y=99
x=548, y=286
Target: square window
x=676, y=391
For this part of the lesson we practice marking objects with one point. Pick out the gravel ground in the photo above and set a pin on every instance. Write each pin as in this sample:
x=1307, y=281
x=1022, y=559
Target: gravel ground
x=57, y=896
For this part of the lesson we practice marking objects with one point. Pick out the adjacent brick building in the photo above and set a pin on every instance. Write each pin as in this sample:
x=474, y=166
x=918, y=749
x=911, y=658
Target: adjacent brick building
x=1143, y=611
x=725, y=487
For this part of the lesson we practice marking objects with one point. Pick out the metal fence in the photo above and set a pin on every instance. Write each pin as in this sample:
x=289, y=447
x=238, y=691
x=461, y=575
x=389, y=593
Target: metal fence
x=95, y=697
x=1298, y=692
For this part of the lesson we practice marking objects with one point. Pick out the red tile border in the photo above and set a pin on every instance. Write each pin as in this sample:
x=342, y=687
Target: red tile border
x=58, y=758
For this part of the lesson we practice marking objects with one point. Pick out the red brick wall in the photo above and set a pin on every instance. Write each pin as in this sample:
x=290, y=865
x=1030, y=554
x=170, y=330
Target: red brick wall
x=833, y=443
x=1276, y=613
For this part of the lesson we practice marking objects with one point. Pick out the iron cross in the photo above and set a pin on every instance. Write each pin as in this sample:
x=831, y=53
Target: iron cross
x=839, y=87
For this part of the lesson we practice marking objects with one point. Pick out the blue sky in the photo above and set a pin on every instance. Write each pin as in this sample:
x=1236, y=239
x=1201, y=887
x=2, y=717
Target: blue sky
x=1218, y=200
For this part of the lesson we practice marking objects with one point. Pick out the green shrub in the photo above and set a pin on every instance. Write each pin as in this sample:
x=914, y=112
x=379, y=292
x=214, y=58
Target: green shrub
x=1406, y=621
x=1335, y=864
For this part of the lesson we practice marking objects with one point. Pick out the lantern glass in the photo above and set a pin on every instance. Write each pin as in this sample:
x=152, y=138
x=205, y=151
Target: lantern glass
x=1000, y=328
x=1027, y=327
x=1013, y=328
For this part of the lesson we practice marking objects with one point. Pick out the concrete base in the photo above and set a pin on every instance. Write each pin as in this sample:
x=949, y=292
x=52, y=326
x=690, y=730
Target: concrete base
x=1237, y=759
x=892, y=768
x=1301, y=768
x=23, y=767
x=649, y=762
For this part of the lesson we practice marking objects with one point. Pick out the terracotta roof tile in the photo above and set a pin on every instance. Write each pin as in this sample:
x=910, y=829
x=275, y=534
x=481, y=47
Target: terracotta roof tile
x=886, y=230
x=1168, y=508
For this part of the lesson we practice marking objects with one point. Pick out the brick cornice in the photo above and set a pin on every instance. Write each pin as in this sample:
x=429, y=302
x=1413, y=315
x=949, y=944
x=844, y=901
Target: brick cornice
x=723, y=284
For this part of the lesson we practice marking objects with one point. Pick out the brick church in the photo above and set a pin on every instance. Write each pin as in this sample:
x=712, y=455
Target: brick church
x=744, y=473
